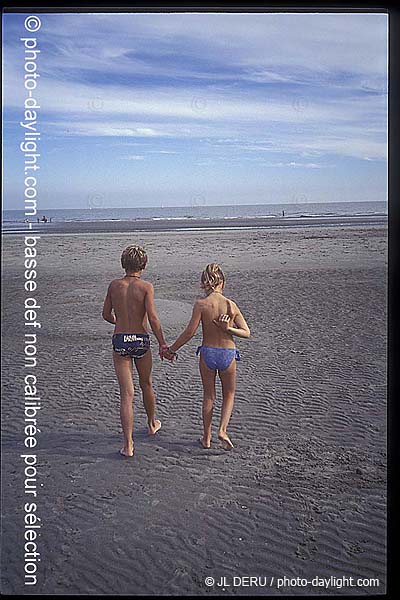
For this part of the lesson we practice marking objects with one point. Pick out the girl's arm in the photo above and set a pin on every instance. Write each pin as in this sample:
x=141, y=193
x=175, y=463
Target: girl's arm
x=190, y=329
x=241, y=328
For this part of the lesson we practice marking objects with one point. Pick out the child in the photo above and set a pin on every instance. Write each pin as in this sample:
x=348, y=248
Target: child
x=132, y=301
x=221, y=319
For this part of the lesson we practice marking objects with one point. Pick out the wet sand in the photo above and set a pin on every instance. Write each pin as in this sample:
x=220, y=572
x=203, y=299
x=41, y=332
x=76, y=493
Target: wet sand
x=303, y=493
x=195, y=223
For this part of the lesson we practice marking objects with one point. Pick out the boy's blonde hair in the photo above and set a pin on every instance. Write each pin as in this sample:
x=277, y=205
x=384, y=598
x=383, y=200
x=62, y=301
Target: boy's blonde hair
x=134, y=258
x=212, y=276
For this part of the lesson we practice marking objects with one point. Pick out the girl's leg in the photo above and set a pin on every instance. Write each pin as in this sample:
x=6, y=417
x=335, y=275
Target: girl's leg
x=228, y=381
x=208, y=379
x=144, y=366
x=123, y=370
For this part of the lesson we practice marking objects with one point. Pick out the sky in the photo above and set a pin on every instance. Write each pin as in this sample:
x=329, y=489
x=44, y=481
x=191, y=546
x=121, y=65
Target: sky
x=198, y=109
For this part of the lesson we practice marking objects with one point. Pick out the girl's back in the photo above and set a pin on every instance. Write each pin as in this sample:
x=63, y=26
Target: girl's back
x=211, y=308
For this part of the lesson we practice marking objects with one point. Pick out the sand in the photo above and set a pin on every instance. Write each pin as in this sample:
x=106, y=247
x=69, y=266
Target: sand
x=191, y=223
x=304, y=492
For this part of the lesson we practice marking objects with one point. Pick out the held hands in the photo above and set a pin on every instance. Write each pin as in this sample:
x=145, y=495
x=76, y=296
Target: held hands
x=161, y=350
x=170, y=355
x=165, y=352
x=222, y=322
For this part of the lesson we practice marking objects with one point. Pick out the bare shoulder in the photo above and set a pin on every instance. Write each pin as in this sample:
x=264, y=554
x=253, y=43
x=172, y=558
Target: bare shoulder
x=233, y=305
x=200, y=303
x=147, y=286
x=115, y=283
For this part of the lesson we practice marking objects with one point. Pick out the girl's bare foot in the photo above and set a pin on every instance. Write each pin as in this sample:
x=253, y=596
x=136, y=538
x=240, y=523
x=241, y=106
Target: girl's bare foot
x=127, y=452
x=153, y=428
x=225, y=441
x=204, y=444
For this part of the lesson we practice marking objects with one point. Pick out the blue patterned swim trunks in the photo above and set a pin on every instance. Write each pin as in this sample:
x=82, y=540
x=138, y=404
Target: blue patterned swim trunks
x=131, y=344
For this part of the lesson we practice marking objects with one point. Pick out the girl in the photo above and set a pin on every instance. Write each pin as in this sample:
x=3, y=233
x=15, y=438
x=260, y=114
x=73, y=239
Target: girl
x=221, y=319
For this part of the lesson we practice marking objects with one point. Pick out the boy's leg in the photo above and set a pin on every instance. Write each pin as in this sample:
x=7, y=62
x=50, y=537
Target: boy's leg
x=123, y=370
x=144, y=366
x=228, y=381
x=208, y=379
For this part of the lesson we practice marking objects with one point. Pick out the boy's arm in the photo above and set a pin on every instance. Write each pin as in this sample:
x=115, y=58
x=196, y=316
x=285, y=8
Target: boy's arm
x=107, y=313
x=190, y=329
x=152, y=316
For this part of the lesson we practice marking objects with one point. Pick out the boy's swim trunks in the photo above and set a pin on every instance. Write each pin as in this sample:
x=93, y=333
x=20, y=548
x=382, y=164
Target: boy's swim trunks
x=131, y=344
x=218, y=359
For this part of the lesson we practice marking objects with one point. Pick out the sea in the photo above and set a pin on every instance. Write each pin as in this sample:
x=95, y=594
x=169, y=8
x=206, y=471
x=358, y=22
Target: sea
x=13, y=220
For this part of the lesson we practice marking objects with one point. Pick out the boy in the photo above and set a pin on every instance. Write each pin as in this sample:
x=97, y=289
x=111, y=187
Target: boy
x=132, y=301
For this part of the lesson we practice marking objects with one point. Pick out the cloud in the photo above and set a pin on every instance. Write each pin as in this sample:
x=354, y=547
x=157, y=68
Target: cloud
x=298, y=165
x=162, y=152
x=298, y=84
x=132, y=157
x=269, y=45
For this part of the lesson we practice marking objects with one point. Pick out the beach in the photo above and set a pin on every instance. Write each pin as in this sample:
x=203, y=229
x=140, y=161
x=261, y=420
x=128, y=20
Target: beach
x=303, y=494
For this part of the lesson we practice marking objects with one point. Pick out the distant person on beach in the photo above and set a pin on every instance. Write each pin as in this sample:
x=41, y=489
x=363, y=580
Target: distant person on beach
x=127, y=305
x=221, y=319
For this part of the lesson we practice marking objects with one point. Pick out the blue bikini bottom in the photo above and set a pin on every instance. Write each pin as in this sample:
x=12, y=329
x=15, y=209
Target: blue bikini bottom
x=131, y=344
x=218, y=359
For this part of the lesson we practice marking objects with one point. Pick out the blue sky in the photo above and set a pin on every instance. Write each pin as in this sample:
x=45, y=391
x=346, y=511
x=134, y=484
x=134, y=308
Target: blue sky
x=179, y=109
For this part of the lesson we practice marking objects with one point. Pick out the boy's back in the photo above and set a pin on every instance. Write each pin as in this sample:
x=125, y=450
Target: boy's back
x=211, y=308
x=128, y=296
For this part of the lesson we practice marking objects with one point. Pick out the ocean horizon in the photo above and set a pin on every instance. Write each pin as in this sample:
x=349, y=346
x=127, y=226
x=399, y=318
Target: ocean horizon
x=12, y=219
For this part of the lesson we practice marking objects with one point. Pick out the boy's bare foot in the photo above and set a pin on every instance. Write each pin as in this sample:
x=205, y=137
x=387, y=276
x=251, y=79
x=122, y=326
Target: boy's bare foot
x=225, y=441
x=204, y=445
x=154, y=428
x=127, y=452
